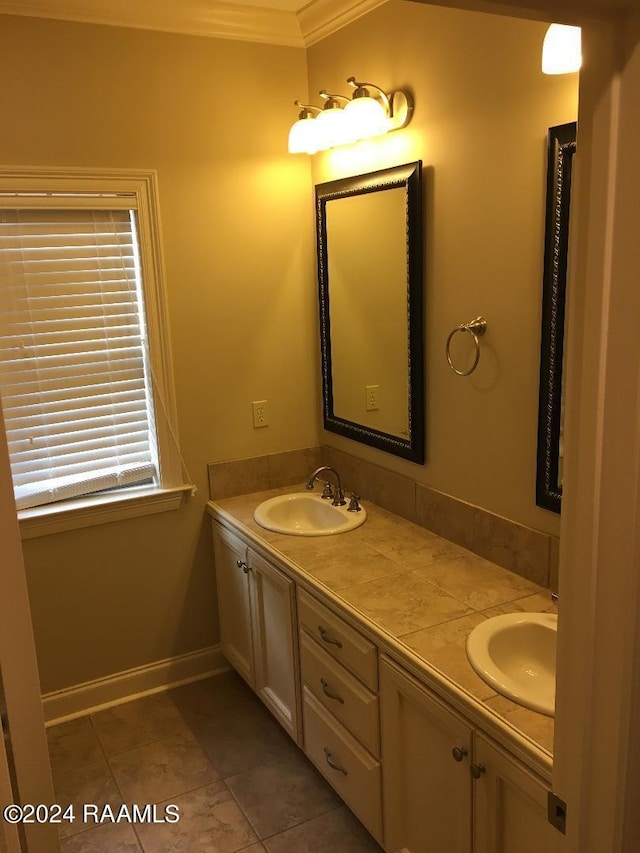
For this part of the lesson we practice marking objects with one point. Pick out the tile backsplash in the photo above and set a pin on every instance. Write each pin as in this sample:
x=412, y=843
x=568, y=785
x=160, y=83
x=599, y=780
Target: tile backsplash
x=523, y=550
x=244, y=476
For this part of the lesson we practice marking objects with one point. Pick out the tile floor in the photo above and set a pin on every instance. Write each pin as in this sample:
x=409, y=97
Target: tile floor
x=213, y=750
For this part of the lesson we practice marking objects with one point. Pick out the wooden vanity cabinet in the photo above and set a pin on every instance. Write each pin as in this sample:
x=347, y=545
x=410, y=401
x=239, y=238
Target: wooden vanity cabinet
x=448, y=786
x=510, y=805
x=418, y=774
x=256, y=604
x=341, y=719
x=427, y=792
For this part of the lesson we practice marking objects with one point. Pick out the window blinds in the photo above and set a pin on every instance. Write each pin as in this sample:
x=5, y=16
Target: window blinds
x=73, y=377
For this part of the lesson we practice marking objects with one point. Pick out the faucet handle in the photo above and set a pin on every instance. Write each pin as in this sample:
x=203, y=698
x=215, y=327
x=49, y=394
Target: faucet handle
x=354, y=506
x=327, y=492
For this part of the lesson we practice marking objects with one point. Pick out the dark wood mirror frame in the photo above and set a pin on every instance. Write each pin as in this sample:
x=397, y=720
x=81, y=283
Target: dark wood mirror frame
x=561, y=148
x=408, y=176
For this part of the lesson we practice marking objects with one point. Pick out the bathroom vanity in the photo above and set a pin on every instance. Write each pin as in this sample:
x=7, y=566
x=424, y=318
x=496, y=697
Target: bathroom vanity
x=428, y=759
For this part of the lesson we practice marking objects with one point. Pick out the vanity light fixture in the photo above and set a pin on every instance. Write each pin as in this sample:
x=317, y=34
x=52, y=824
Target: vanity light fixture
x=561, y=50
x=369, y=112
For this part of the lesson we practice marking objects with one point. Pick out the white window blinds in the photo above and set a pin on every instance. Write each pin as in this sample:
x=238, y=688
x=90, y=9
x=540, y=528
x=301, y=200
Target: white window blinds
x=73, y=367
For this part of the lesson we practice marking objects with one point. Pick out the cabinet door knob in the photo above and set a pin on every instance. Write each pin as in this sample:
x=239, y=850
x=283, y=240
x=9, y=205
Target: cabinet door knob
x=333, y=763
x=329, y=692
x=477, y=770
x=459, y=753
x=242, y=565
x=326, y=636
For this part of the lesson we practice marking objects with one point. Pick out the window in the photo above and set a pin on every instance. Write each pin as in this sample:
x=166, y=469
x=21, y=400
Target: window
x=84, y=361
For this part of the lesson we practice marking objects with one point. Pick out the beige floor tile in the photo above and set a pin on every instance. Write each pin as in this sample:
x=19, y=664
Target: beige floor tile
x=459, y=578
x=107, y=838
x=158, y=771
x=137, y=723
x=337, y=831
x=404, y=603
x=247, y=738
x=74, y=750
x=278, y=796
x=444, y=646
x=99, y=790
x=212, y=699
x=210, y=822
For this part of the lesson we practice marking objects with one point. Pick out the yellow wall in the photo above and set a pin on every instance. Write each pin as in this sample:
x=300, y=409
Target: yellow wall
x=238, y=234
x=212, y=117
x=482, y=109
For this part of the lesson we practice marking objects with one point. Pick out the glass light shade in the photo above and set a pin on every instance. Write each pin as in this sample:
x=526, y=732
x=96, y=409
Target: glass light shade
x=303, y=137
x=366, y=117
x=561, y=50
x=332, y=129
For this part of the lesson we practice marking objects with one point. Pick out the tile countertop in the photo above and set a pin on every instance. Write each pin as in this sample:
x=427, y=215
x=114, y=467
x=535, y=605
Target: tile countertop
x=419, y=595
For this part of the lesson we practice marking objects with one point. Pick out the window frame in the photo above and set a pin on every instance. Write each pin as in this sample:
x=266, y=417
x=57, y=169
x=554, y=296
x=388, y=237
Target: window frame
x=93, y=188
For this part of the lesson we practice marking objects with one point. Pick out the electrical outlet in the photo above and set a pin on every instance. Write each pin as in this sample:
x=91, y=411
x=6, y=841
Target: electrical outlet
x=260, y=413
x=371, y=398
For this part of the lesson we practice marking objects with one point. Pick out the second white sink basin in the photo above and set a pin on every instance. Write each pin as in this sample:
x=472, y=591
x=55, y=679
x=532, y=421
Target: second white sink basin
x=305, y=514
x=516, y=654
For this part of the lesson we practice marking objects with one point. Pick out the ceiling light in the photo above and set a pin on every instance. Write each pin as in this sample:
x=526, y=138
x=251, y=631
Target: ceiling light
x=561, y=50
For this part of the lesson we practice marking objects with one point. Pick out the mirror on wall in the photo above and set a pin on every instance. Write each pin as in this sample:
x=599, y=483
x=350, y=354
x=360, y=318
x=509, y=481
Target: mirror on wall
x=369, y=240
x=561, y=149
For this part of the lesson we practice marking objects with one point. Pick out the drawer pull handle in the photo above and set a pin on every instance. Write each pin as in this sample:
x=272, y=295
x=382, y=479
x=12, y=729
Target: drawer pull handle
x=459, y=753
x=333, y=763
x=326, y=636
x=242, y=565
x=329, y=692
x=477, y=770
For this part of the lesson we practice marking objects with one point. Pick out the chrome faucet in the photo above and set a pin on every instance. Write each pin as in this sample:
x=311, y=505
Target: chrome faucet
x=338, y=496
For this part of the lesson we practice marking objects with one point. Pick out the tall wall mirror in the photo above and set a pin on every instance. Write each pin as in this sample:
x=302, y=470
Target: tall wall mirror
x=561, y=149
x=369, y=241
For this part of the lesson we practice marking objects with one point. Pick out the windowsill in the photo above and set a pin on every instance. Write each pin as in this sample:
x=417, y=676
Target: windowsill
x=99, y=509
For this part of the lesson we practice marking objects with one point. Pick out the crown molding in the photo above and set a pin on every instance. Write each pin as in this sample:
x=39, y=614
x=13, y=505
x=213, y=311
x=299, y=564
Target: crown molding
x=212, y=18
x=320, y=18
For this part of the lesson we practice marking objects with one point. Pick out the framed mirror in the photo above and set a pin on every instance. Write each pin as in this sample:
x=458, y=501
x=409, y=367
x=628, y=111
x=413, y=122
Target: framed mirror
x=561, y=150
x=369, y=241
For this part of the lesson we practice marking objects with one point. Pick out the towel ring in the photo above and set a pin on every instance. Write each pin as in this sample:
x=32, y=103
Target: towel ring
x=476, y=329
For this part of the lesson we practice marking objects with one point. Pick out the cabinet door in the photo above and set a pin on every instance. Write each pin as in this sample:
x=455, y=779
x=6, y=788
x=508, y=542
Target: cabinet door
x=510, y=805
x=232, y=581
x=427, y=791
x=275, y=651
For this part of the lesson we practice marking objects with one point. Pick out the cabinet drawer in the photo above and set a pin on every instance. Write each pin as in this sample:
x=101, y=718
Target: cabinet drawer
x=338, y=639
x=348, y=767
x=342, y=694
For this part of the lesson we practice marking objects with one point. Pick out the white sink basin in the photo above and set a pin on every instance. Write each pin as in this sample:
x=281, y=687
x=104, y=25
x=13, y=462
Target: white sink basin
x=516, y=654
x=304, y=514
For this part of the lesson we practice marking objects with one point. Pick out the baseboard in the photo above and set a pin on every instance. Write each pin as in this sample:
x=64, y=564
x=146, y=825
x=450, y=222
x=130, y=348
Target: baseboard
x=62, y=705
